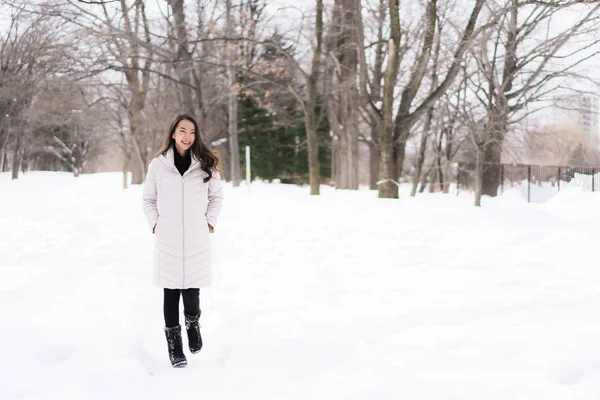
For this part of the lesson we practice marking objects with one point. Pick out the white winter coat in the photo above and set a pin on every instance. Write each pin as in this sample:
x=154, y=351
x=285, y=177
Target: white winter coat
x=178, y=208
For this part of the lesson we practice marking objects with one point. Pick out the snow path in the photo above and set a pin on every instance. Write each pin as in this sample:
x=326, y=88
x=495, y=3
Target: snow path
x=340, y=296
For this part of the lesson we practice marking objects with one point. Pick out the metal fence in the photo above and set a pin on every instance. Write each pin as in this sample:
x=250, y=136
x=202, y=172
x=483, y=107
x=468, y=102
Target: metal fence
x=530, y=178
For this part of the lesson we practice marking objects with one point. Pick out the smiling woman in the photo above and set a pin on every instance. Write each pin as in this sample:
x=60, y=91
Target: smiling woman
x=184, y=136
x=182, y=200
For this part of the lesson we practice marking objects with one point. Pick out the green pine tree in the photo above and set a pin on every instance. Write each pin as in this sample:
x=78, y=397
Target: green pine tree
x=278, y=150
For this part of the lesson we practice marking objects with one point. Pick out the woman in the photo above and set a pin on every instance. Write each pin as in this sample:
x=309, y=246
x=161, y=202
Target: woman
x=182, y=200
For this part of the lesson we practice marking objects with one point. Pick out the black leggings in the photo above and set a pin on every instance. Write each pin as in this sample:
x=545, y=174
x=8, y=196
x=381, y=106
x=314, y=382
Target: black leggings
x=191, y=304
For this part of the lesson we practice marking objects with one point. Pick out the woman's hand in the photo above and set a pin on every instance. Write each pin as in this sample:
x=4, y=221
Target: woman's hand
x=210, y=228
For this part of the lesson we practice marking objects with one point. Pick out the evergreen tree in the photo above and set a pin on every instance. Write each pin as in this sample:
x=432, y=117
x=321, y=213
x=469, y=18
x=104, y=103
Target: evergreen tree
x=271, y=122
x=278, y=150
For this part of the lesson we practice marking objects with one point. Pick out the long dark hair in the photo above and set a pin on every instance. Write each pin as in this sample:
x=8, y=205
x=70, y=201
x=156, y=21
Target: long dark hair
x=209, y=159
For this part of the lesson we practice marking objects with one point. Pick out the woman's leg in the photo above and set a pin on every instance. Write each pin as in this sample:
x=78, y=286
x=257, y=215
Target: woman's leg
x=173, y=329
x=191, y=310
x=171, y=307
x=191, y=301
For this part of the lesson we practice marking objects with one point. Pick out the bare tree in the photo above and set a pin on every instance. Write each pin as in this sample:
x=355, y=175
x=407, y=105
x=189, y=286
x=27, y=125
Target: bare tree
x=304, y=86
x=233, y=109
x=394, y=131
x=309, y=106
x=386, y=164
x=32, y=49
x=425, y=134
x=61, y=124
x=447, y=138
x=518, y=73
x=343, y=99
x=370, y=77
x=183, y=63
x=120, y=32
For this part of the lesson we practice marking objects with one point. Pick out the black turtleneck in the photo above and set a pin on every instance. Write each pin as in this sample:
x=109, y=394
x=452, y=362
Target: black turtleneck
x=182, y=163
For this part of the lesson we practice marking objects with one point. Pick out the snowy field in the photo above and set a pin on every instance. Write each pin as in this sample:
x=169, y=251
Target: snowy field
x=341, y=296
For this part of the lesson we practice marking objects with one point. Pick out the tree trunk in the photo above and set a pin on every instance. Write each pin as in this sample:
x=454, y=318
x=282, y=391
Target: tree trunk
x=373, y=165
x=440, y=172
x=314, y=169
x=423, y=184
x=4, y=164
x=199, y=72
x=313, y=152
x=234, y=146
x=77, y=153
x=449, y=156
x=335, y=150
x=420, y=161
x=349, y=62
x=347, y=176
x=399, y=157
x=25, y=158
x=366, y=98
x=408, y=113
x=126, y=160
x=387, y=167
x=339, y=139
x=404, y=123
x=353, y=158
x=491, y=168
x=137, y=87
x=233, y=136
x=479, y=176
x=379, y=52
x=448, y=177
x=137, y=175
x=422, y=148
x=498, y=112
x=4, y=152
x=138, y=168
x=342, y=178
x=496, y=126
x=17, y=156
x=343, y=104
x=183, y=66
x=433, y=180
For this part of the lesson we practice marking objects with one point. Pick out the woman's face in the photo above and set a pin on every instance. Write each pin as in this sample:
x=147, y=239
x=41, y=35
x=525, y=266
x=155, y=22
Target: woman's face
x=184, y=135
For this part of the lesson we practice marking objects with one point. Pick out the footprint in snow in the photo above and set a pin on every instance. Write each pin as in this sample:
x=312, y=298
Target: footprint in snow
x=58, y=355
x=568, y=375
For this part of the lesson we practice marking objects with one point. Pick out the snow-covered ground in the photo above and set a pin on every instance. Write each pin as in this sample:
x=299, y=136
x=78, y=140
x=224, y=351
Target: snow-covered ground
x=340, y=296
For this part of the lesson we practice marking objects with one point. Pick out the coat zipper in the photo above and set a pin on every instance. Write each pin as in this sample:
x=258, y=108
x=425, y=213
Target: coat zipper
x=183, y=228
x=182, y=220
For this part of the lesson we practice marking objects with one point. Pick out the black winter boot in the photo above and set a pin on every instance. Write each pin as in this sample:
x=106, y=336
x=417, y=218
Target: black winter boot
x=193, y=332
x=176, y=355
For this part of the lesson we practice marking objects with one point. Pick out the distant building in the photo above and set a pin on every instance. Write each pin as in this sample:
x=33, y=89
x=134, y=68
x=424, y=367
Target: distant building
x=577, y=110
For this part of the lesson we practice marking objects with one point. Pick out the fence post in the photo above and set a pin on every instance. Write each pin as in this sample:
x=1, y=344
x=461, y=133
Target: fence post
x=529, y=183
x=248, y=173
x=559, y=179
